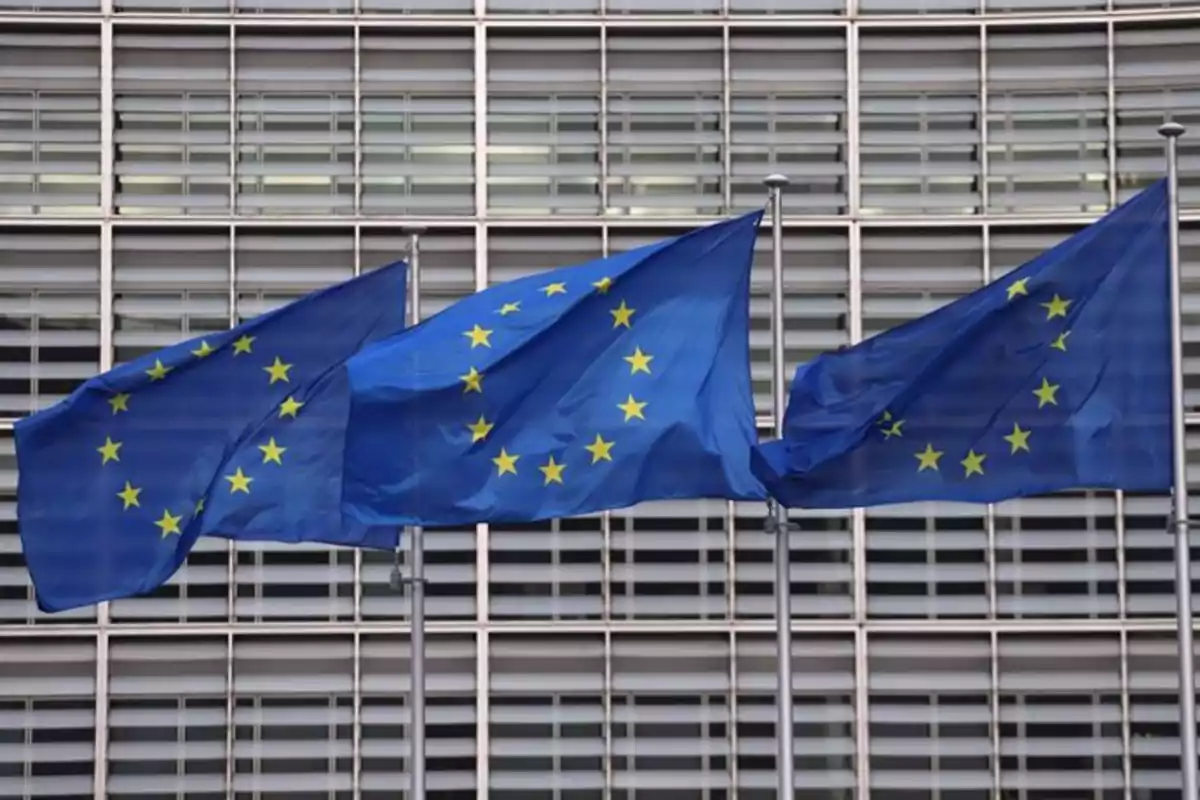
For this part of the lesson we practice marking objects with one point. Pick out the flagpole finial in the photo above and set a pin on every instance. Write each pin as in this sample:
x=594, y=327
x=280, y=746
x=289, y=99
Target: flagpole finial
x=776, y=180
x=414, y=230
x=1171, y=130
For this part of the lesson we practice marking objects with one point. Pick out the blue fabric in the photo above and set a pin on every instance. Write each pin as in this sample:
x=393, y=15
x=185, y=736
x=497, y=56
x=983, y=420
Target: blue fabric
x=591, y=387
x=111, y=478
x=1056, y=376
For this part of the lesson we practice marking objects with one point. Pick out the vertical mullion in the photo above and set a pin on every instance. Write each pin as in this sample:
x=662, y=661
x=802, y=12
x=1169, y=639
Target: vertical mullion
x=862, y=710
x=358, y=124
x=230, y=717
x=1111, y=115
x=481, y=126
x=1126, y=721
x=994, y=704
x=985, y=165
x=100, y=742
x=853, y=113
x=483, y=711
x=607, y=699
x=603, y=124
x=726, y=119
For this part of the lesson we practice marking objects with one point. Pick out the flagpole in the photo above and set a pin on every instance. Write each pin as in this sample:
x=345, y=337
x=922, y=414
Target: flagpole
x=416, y=547
x=776, y=514
x=1171, y=131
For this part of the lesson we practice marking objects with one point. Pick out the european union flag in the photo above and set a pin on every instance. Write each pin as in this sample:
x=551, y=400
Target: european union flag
x=118, y=480
x=1056, y=376
x=580, y=389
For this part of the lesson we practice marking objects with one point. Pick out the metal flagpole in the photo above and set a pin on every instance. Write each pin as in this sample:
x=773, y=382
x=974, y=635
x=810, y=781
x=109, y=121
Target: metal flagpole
x=1179, y=500
x=416, y=580
x=777, y=522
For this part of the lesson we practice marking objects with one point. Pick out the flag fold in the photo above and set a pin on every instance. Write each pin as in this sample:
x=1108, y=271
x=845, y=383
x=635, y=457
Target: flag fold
x=1055, y=376
x=206, y=437
x=586, y=388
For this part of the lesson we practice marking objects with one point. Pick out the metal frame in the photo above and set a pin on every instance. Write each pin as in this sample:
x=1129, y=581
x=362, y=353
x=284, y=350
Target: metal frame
x=860, y=626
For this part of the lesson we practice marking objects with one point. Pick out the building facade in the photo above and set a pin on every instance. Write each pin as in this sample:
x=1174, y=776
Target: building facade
x=169, y=167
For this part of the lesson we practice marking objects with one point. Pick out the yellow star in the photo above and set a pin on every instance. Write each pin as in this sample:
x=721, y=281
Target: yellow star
x=886, y=418
x=622, y=315
x=1019, y=439
x=1045, y=394
x=1061, y=342
x=639, y=362
x=478, y=336
x=973, y=463
x=894, y=430
x=554, y=288
x=272, y=452
x=552, y=471
x=290, y=407
x=602, y=286
x=479, y=430
x=600, y=449
x=204, y=349
x=278, y=371
x=239, y=482
x=1057, y=307
x=928, y=458
x=242, y=345
x=169, y=524
x=473, y=381
x=158, y=371
x=119, y=402
x=1019, y=286
x=199, y=507
x=632, y=408
x=505, y=463
x=130, y=495
x=509, y=308
x=108, y=451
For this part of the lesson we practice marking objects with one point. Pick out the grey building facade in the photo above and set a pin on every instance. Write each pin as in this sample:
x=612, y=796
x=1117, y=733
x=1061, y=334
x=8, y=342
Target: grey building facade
x=169, y=167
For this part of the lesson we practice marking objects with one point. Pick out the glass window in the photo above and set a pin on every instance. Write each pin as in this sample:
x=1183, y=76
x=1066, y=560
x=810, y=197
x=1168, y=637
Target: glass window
x=418, y=123
x=295, y=123
x=789, y=7
x=1155, y=80
x=919, y=121
x=1060, y=715
x=1154, y=715
x=671, y=715
x=171, y=118
x=820, y=563
x=166, y=716
x=48, y=718
x=293, y=714
x=930, y=718
x=823, y=668
x=788, y=114
x=664, y=123
x=450, y=723
x=50, y=121
x=49, y=315
x=921, y=6
x=1047, y=127
x=547, y=715
x=544, y=124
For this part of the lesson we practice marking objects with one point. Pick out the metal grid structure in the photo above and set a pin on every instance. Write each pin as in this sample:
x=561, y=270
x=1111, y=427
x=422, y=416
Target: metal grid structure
x=173, y=166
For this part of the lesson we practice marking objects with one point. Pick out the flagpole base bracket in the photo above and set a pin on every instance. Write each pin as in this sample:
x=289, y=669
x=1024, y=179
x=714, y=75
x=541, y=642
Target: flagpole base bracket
x=776, y=526
x=399, y=581
x=1174, y=523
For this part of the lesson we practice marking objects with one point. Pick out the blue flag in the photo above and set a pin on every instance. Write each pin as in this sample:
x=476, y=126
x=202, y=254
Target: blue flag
x=1056, y=376
x=118, y=480
x=580, y=389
